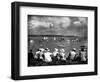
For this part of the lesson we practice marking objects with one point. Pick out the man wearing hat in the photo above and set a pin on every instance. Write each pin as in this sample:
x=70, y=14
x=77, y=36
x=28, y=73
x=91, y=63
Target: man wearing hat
x=62, y=53
x=72, y=54
x=47, y=55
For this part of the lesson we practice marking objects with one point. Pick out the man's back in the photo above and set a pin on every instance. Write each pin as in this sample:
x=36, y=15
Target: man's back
x=72, y=54
x=47, y=56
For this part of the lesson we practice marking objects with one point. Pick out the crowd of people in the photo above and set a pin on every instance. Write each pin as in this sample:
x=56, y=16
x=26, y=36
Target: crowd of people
x=58, y=56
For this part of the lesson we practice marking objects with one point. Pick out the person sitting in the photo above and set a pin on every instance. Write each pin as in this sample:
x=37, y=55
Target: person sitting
x=37, y=54
x=62, y=54
x=47, y=55
x=41, y=57
x=72, y=54
x=55, y=55
x=83, y=56
x=30, y=57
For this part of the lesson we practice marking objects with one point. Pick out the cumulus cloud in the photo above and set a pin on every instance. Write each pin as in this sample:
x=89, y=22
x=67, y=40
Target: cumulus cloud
x=78, y=23
x=56, y=25
x=56, y=22
x=36, y=24
x=81, y=21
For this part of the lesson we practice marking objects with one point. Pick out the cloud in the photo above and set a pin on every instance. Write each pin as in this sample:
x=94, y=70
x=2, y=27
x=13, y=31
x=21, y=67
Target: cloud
x=57, y=25
x=65, y=21
x=36, y=24
x=57, y=22
x=81, y=21
x=78, y=23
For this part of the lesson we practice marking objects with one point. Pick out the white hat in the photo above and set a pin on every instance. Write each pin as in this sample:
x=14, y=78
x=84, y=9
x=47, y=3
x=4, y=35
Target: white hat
x=74, y=49
x=47, y=49
x=62, y=50
x=56, y=49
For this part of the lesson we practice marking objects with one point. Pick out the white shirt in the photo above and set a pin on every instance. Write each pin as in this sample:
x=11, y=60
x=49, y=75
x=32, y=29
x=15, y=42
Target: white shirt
x=55, y=53
x=72, y=53
x=41, y=53
x=63, y=56
x=36, y=55
x=47, y=56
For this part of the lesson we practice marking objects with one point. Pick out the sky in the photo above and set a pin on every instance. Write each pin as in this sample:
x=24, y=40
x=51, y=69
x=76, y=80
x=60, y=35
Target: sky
x=57, y=25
